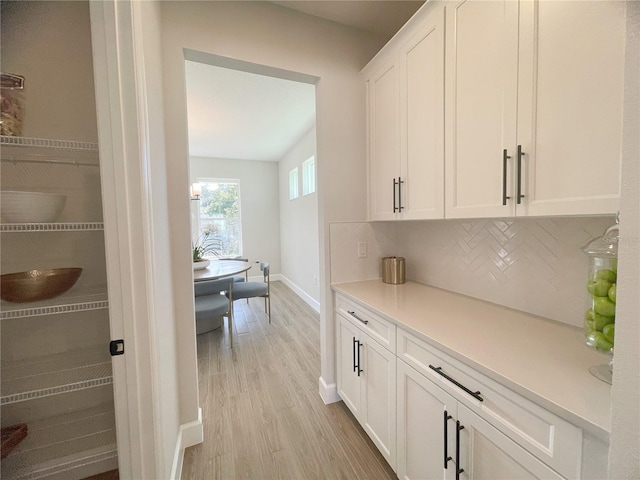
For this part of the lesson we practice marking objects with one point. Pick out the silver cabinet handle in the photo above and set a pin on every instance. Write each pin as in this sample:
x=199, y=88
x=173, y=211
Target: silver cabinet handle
x=353, y=314
x=519, y=195
x=505, y=157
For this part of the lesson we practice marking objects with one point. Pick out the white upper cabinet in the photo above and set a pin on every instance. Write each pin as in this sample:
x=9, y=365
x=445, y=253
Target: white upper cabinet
x=421, y=120
x=406, y=122
x=533, y=107
x=481, y=88
x=384, y=152
x=570, y=104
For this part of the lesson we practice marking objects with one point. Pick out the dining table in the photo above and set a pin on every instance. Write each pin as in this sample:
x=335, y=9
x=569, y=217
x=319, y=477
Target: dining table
x=220, y=269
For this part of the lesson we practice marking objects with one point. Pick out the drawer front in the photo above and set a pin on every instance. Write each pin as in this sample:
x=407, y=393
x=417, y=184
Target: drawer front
x=381, y=330
x=548, y=437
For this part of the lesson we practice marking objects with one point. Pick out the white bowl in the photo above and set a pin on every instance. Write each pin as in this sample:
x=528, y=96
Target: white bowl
x=201, y=265
x=31, y=207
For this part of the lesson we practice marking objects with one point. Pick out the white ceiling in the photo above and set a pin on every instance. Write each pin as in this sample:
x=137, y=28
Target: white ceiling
x=239, y=115
x=381, y=18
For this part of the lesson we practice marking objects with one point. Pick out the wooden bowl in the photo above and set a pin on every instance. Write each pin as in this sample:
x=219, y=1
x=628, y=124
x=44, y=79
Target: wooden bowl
x=37, y=284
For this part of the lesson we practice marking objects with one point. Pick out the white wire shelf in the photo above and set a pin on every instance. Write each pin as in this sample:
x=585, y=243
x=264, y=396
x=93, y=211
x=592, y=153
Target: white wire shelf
x=48, y=375
x=51, y=227
x=80, y=300
x=47, y=143
x=63, y=443
x=48, y=151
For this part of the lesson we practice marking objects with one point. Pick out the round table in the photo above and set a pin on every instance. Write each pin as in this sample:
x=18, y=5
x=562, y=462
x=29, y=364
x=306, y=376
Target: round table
x=219, y=269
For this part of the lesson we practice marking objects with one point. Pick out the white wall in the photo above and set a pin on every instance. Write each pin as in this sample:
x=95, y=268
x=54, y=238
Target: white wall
x=299, y=225
x=266, y=34
x=624, y=456
x=259, y=208
x=49, y=43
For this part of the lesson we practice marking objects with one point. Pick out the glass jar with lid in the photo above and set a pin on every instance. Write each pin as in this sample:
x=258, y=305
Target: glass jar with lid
x=600, y=316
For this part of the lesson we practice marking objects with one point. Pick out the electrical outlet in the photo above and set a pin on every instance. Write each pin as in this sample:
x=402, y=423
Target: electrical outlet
x=362, y=249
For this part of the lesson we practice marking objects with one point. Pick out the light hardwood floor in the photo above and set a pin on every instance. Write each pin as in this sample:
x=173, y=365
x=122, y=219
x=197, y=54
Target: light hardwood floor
x=263, y=417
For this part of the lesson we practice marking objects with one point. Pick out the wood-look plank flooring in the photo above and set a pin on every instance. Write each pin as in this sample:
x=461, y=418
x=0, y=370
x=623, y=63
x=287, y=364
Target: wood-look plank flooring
x=263, y=417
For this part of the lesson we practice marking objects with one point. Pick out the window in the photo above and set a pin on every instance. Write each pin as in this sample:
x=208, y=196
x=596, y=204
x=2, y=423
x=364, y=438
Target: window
x=309, y=176
x=293, y=184
x=219, y=215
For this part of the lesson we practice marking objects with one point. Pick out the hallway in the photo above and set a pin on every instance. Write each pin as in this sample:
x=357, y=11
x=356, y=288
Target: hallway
x=263, y=417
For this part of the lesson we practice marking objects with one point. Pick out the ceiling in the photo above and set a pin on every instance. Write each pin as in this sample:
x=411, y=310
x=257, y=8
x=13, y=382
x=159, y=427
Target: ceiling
x=239, y=115
x=245, y=116
x=381, y=18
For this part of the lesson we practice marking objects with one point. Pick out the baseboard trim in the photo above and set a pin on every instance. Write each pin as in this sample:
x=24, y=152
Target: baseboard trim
x=189, y=434
x=328, y=393
x=309, y=300
x=259, y=278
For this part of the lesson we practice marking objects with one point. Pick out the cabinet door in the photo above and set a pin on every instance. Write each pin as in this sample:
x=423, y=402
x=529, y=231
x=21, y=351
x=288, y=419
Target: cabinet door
x=348, y=380
x=570, y=106
x=486, y=453
x=384, y=152
x=379, y=397
x=422, y=409
x=481, y=95
x=422, y=120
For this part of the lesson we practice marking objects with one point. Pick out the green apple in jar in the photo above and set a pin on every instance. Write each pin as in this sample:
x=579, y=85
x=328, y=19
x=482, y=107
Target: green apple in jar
x=609, y=332
x=599, y=287
x=605, y=274
x=600, y=321
x=590, y=320
x=604, y=306
x=599, y=341
x=612, y=293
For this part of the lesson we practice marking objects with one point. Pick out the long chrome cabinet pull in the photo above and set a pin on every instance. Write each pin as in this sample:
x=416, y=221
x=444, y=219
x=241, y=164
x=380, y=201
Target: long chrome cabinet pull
x=353, y=314
x=505, y=157
x=458, y=469
x=395, y=207
x=447, y=417
x=439, y=371
x=355, y=365
x=359, y=346
x=519, y=195
x=400, y=182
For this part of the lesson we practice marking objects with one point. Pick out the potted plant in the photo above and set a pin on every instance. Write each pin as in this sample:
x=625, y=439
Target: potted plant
x=205, y=246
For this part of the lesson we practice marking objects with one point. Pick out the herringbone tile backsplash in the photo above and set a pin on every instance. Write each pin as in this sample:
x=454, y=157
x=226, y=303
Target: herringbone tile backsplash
x=534, y=265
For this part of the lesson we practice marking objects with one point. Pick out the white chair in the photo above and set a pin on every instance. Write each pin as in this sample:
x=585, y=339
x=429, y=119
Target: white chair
x=211, y=303
x=254, y=289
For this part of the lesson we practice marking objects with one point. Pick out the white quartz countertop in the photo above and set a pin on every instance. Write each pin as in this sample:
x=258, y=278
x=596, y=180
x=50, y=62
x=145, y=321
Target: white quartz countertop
x=541, y=359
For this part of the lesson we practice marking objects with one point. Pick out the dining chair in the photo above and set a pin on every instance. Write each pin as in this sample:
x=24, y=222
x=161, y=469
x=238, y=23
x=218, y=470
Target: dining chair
x=240, y=277
x=214, y=298
x=254, y=289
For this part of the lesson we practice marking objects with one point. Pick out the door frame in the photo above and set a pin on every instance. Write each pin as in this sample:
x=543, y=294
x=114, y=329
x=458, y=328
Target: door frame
x=121, y=133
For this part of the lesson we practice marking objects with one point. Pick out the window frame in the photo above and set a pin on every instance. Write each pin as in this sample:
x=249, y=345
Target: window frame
x=309, y=176
x=294, y=189
x=199, y=217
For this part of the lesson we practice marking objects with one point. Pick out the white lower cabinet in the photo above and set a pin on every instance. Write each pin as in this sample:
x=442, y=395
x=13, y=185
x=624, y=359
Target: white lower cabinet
x=438, y=437
x=423, y=444
x=433, y=416
x=485, y=452
x=349, y=384
x=367, y=384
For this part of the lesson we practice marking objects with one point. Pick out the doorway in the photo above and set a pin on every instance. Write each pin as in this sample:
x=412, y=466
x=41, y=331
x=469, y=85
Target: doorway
x=253, y=125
